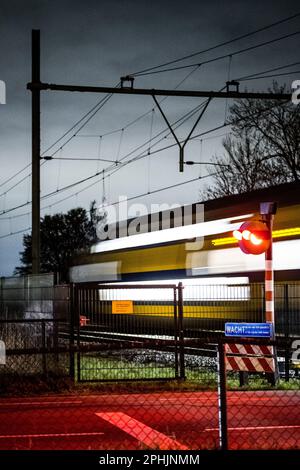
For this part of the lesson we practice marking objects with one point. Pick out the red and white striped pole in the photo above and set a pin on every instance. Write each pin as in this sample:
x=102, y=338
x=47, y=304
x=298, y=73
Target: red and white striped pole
x=268, y=210
x=269, y=277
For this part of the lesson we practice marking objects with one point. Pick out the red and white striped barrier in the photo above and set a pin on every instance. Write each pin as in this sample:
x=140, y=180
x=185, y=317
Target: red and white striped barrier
x=249, y=358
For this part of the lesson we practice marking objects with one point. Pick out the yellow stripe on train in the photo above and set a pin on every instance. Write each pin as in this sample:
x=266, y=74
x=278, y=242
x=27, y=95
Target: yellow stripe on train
x=189, y=311
x=286, y=232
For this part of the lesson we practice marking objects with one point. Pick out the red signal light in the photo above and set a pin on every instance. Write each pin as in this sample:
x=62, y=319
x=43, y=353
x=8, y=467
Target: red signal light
x=254, y=237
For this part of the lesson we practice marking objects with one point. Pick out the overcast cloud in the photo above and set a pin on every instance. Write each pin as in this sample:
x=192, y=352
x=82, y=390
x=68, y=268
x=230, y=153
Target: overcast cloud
x=95, y=42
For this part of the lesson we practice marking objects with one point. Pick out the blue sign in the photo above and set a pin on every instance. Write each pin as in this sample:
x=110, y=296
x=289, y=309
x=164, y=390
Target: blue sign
x=255, y=330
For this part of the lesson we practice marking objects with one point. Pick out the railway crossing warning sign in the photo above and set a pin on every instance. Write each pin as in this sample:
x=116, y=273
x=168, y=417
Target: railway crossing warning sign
x=255, y=330
x=249, y=358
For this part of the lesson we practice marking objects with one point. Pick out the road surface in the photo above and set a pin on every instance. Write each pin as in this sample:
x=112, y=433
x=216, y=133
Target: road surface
x=165, y=420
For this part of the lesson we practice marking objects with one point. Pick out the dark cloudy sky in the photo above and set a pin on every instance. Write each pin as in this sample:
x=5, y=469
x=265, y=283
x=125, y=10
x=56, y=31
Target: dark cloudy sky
x=95, y=42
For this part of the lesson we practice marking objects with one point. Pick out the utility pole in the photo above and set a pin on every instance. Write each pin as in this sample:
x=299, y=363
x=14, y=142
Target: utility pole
x=36, y=150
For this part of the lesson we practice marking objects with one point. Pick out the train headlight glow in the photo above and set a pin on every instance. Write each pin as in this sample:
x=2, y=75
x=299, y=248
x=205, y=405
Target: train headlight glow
x=237, y=235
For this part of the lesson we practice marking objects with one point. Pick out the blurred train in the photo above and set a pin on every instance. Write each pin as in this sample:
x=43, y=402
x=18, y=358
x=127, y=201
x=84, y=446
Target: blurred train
x=219, y=280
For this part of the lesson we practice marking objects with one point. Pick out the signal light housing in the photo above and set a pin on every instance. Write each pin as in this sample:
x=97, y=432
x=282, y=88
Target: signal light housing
x=253, y=237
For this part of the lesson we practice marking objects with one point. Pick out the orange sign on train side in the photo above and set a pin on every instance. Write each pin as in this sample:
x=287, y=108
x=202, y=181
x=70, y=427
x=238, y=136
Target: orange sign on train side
x=122, y=306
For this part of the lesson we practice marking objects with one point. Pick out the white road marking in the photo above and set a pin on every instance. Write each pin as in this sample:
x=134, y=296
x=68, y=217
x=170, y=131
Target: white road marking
x=140, y=431
x=39, y=403
x=35, y=436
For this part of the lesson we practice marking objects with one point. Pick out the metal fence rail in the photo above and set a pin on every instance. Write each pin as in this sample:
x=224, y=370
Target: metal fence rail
x=34, y=347
x=136, y=319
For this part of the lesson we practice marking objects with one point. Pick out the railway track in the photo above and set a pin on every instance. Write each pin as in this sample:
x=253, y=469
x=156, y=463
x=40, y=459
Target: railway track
x=152, y=342
x=163, y=342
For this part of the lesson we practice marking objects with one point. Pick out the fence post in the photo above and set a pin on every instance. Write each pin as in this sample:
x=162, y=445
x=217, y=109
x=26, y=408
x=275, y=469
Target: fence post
x=2, y=309
x=44, y=355
x=243, y=378
x=77, y=310
x=222, y=398
x=175, y=333
x=55, y=329
x=287, y=334
x=72, y=310
x=181, y=333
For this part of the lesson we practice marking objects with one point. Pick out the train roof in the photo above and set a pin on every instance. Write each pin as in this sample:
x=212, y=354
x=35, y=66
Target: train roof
x=238, y=204
x=235, y=206
x=284, y=194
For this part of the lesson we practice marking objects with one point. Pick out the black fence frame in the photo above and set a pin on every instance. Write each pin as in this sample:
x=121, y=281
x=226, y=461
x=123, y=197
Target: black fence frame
x=178, y=332
x=44, y=349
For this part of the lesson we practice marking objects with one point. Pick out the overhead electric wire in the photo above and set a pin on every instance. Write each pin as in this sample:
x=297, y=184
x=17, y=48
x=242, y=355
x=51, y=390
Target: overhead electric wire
x=19, y=182
x=146, y=193
x=224, y=56
x=134, y=121
x=94, y=183
x=154, y=68
x=274, y=69
x=180, y=83
x=14, y=176
x=222, y=44
x=216, y=128
x=122, y=129
x=15, y=233
x=284, y=74
x=165, y=188
x=161, y=149
x=222, y=126
x=15, y=185
x=109, y=168
x=104, y=101
x=93, y=109
x=108, y=96
x=195, y=109
x=79, y=181
x=81, y=159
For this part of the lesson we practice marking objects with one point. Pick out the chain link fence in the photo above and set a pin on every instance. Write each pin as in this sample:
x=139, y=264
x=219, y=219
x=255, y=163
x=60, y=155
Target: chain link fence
x=220, y=415
x=140, y=370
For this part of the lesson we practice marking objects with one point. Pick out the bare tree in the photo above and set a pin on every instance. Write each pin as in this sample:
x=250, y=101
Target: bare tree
x=264, y=149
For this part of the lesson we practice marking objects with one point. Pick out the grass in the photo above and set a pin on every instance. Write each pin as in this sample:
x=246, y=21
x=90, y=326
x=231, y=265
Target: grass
x=104, y=368
x=261, y=383
x=142, y=374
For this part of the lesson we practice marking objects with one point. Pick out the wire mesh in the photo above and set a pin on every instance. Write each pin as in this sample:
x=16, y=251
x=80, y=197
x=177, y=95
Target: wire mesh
x=154, y=360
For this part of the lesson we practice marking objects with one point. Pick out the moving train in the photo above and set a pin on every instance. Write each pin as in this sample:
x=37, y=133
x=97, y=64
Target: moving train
x=196, y=248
